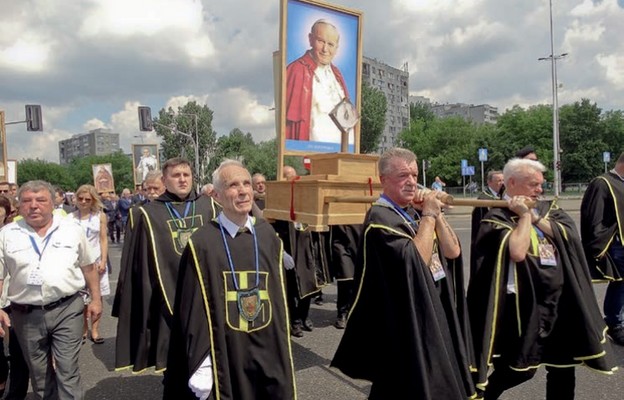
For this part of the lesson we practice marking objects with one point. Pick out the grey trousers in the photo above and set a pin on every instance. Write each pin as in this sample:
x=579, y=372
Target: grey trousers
x=57, y=334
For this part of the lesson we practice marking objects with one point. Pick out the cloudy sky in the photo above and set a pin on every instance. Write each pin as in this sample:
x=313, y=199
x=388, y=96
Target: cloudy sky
x=90, y=63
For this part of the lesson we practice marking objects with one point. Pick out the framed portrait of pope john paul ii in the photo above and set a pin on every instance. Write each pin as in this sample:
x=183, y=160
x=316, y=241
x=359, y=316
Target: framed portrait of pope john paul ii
x=321, y=58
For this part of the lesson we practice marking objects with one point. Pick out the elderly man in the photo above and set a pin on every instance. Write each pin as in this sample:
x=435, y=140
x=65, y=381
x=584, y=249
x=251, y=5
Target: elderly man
x=531, y=301
x=403, y=332
x=230, y=324
x=314, y=86
x=494, y=185
x=48, y=260
x=258, y=182
x=153, y=185
x=157, y=235
x=602, y=231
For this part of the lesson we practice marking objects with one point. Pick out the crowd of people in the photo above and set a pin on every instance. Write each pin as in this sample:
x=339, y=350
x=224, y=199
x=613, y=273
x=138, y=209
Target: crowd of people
x=211, y=294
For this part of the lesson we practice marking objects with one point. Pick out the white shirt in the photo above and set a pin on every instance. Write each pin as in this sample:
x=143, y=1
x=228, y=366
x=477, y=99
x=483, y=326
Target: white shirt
x=326, y=94
x=61, y=258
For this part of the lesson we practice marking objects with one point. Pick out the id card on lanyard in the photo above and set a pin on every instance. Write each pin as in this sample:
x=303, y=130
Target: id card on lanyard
x=546, y=250
x=35, y=277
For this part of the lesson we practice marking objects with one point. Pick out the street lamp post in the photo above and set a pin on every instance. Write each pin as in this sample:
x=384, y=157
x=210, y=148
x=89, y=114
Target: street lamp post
x=198, y=169
x=553, y=70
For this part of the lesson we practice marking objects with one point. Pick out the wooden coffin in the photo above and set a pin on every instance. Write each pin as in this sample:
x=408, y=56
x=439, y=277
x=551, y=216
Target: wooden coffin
x=346, y=165
x=308, y=199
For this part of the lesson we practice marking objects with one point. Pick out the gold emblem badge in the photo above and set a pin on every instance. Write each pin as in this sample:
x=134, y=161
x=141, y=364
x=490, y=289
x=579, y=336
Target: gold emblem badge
x=184, y=236
x=249, y=305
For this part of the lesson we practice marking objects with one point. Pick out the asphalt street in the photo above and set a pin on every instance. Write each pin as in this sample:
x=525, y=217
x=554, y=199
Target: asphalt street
x=314, y=351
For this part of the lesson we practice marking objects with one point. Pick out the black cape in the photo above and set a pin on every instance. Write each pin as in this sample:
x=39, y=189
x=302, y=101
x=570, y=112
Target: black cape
x=477, y=215
x=602, y=210
x=558, y=321
x=344, y=241
x=147, y=279
x=251, y=360
x=404, y=331
x=310, y=252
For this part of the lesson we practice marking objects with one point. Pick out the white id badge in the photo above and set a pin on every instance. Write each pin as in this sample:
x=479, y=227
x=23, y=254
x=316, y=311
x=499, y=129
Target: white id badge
x=547, y=254
x=35, y=277
x=436, y=267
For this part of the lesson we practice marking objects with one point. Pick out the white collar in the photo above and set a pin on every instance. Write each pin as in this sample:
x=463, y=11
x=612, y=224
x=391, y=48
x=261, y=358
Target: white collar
x=616, y=173
x=231, y=227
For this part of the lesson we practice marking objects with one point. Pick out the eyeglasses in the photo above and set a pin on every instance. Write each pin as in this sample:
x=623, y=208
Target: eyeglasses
x=85, y=199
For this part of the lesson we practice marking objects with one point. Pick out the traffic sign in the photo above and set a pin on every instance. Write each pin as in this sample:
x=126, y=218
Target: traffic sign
x=483, y=155
x=468, y=170
x=464, y=164
x=606, y=157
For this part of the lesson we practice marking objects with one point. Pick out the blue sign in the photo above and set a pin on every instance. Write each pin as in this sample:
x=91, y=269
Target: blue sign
x=606, y=157
x=464, y=164
x=468, y=170
x=483, y=155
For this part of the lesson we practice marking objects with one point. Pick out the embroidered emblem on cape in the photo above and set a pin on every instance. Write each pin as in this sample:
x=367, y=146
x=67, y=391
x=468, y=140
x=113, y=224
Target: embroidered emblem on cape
x=184, y=236
x=181, y=235
x=249, y=308
x=249, y=305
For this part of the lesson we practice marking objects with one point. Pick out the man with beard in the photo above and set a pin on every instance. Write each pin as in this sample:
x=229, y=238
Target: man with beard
x=530, y=299
x=156, y=236
x=230, y=325
x=404, y=332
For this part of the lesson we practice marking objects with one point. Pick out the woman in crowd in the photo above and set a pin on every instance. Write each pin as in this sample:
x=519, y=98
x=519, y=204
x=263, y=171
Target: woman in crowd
x=90, y=215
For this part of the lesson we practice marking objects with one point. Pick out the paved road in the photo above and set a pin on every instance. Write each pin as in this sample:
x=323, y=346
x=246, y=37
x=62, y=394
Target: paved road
x=313, y=352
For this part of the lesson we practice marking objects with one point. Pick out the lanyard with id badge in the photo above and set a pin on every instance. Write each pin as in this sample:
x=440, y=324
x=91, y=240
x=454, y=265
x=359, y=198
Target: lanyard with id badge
x=435, y=265
x=546, y=250
x=35, y=277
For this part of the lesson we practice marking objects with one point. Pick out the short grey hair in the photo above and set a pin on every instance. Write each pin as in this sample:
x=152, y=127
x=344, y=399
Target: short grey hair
x=386, y=158
x=36, y=186
x=153, y=176
x=217, y=179
x=520, y=167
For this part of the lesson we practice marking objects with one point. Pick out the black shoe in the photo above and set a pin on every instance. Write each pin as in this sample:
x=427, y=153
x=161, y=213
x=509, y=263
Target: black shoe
x=319, y=300
x=617, y=335
x=296, y=329
x=308, y=325
x=341, y=322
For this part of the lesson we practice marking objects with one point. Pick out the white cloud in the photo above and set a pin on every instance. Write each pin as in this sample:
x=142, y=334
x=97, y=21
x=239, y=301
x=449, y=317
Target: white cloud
x=26, y=55
x=141, y=17
x=614, y=68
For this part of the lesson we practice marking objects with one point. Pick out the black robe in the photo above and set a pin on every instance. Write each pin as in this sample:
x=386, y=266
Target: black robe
x=403, y=332
x=344, y=241
x=477, y=215
x=251, y=360
x=558, y=321
x=148, y=274
x=602, y=210
x=309, y=250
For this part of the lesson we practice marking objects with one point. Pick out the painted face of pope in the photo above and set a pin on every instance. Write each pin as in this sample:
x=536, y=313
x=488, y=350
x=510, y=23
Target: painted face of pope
x=324, y=41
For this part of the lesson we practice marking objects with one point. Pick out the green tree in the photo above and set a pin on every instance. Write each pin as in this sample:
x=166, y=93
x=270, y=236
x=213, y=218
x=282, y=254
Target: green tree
x=373, y=118
x=613, y=127
x=262, y=158
x=581, y=138
x=54, y=173
x=170, y=123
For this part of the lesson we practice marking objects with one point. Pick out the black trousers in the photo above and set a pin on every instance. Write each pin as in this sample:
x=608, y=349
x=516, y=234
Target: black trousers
x=560, y=382
x=18, y=371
